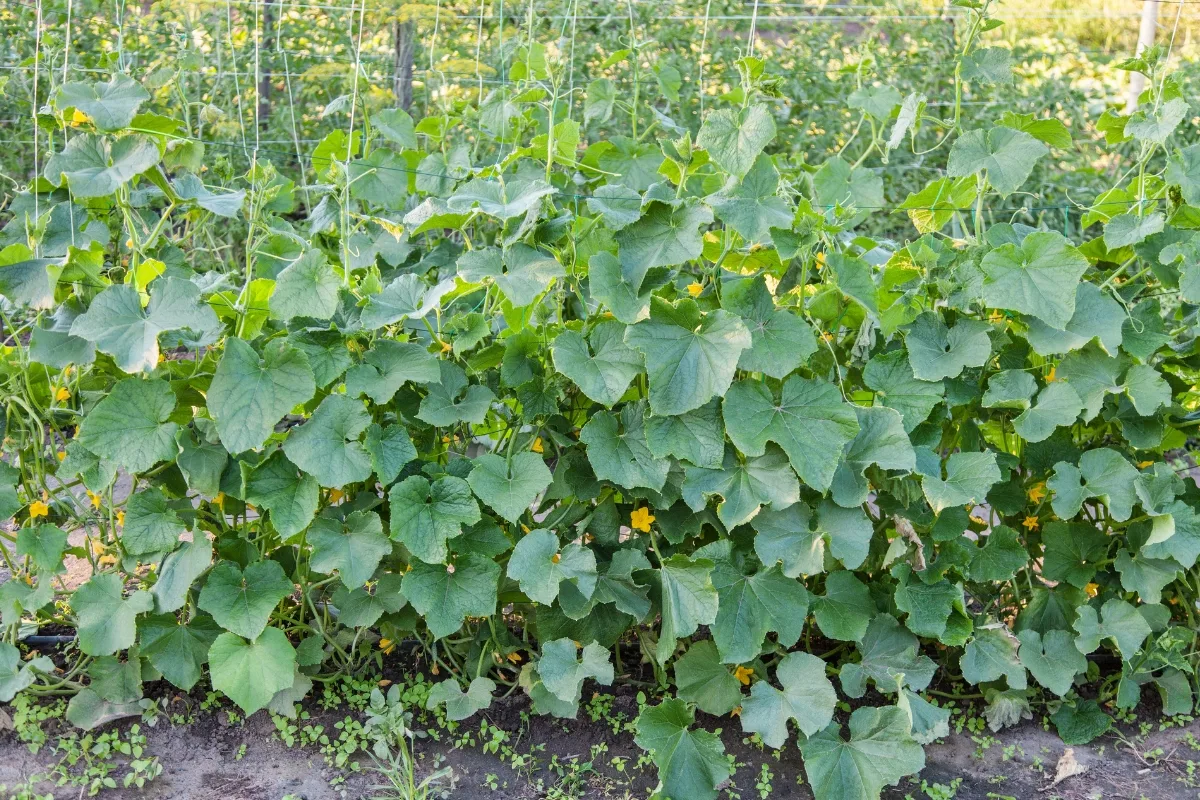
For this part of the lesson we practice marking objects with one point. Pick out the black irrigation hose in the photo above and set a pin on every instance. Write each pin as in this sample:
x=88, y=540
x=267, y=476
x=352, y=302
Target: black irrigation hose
x=44, y=640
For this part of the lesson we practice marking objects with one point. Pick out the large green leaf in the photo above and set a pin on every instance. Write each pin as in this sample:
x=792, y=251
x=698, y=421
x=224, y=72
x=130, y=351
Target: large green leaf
x=249, y=395
x=780, y=339
x=690, y=357
x=425, y=514
x=750, y=606
x=130, y=427
x=807, y=697
x=734, y=138
x=601, y=365
x=879, y=753
x=389, y=365
x=96, y=166
x=691, y=763
x=105, y=619
x=701, y=678
x=241, y=601
x=936, y=351
x=969, y=476
x=308, y=287
x=251, y=672
x=509, y=487
x=119, y=326
x=289, y=494
x=445, y=595
x=618, y=451
x=744, y=485
x=811, y=421
x=328, y=446
x=1037, y=277
x=688, y=600
x=540, y=564
x=353, y=546
x=1005, y=154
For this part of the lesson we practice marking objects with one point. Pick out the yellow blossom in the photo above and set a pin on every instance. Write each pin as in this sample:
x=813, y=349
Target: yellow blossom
x=694, y=289
x=743, y=674
x=121, y=518
x=1051, y=375
x=94, y=499
x=383, y=683
x=161, y=358
x=38, y=509
x=336, y=495
x=1092, y=589
x=556, y=558
x=387, y=645
x=524, y=528
x=514, y=657
x=79, y=118
x=97, y=547
x=434, y=669
x=537, y=445
x=826, y=336
x=737, y=712
x=446, y=346
x=640, y=519
x=820, y=260
x=63, y=394
x=1037, y=492
x=1031, y=522
x=219, y=500
x=1144, y=464
x=107, y=559
x=61, y=455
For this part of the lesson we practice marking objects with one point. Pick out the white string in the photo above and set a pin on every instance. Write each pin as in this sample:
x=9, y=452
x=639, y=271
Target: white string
x=753, y=27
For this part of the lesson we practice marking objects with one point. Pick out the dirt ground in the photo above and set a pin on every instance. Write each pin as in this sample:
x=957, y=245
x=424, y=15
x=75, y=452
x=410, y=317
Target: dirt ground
x=211, y=759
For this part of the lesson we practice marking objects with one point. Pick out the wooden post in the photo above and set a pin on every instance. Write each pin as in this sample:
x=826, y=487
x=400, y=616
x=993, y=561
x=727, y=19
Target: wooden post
x=264, y=78
x=1137, y=81
x=402, y=68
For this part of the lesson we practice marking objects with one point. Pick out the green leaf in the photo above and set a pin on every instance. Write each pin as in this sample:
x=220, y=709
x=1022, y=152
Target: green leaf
x=1053, y=659
x=891, y=657
x=354, y=546
x=690, y=357
x=106, y=620
x=130, y=427
x=602, y=365
x=1097, y=316
x=1006, y=155
x=178, y=651
x=425, y=514
x=44, y=546
x=936, y=351
x=780, y=339
x=562, y=670
x=388, y=366
x=151, y=525
x=752, y=205
x=1157, y=124
x=1057, y=405
x=688, y=600
x=1081, y=723
x=880, y=440
x=811, y=422
x=328, y=446
x=896, y=386
x=744, y=485
x=990, y=655
x=447, y=404
x=178, y=571
x=1038, y=277
x=662, y=237
x=701, y=678
x=1146, y=576
x=969, y=476
x=750, y=606
x=249, y=395
x=691, y=763
x=25, y=280
x=1147, y=389
x=838, y=184
x=1001, y=556
x=988, y=65
x=807, y=697
x=241, y=601
x=845, y=609
x=396, y=126
x=364, y=605
x=735, y=137
x=118, y=325
x=623, y=457
x=1176, y=534
x=251, y=672
x=461, y=705
x=878, y=101
x=287, y=493
x=406, y=297
x=1072, y=552
x=446, y=595
x=540, y=564
x=97, y=166
x=500, y=199
x=16, y=675
x=1010, y=388
x=879, y=753
x=697, y=437
x=111, y=106
x=390, y=449
x=1131, y=228
x=509, y=488
x=1118, y=621
x=308, y=287
x=786, y=537
x=930, y=606
x=628, y=301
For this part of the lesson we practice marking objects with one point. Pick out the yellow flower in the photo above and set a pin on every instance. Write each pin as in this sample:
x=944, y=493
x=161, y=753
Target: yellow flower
x=743, y=674
x=61, y=455
x=446, y=347
x=737, y=712
x=38, y=509
x=524, y=528
x=1144, y=464
x=121, y=518
x=820, y=260
x=537, y=445
x=826, y=336
x=161, y=358
x=1037, y=492
x=97, y=547
x=694, y=289
x=640, y=519
x=79, y=118
x=387, y=645
x=94, y=499
x=1092, y=589
x=63, y=394
x=514, y=657
x=1051, y=375
x=1031, y=522
x=557, y=557
x=107, y=559
x=336, y=495
x=219, y=500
